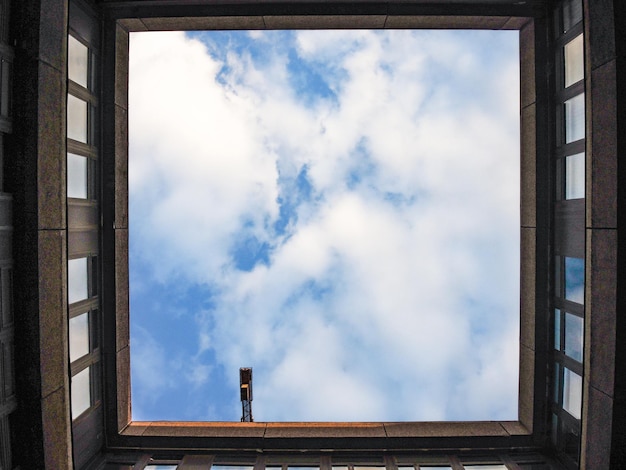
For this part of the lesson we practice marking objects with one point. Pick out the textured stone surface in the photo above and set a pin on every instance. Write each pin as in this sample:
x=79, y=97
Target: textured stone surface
x=527, y=61
x=121, y=167
x=51, y=149
x=325, y=22
x=52, y=311
x=597, y=424
x=123, y=388
x=527, y=287
x=446, y=22
x=121, y=67
x=204, y=23
x=121, y=289
x=526, y=387
x=528, y=168
x=57, y=436
x=443, y=429
x=601, y=312
x=602, y=179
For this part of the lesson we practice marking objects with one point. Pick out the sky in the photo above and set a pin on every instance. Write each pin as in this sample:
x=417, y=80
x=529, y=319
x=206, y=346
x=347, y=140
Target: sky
x=338, y=210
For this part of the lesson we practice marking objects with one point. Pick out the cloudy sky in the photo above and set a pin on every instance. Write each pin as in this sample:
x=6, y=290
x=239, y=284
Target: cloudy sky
x=338, y=210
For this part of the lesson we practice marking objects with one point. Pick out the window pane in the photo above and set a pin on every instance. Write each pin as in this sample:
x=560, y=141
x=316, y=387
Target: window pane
x=574, y=63
x=572, y=13
x=574, y=336
x=76, y=119
x=557, y=329
x=575, y=176
x=575, y=118
x=485, y=467
x=81, y=392
x=233, y=467
x=78, y=60
x=77, y=280
x=161, y=467
x=6, y=72
x=572, y=392
x=79, y=336
x=557, y=381
x=575, y=279
x=76, y=176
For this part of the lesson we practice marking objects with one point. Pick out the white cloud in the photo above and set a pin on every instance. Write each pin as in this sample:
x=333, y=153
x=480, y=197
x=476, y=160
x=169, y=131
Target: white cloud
x=372, y=304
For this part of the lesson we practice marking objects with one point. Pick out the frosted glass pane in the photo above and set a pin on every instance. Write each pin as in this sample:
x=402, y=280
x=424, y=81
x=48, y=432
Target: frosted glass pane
x=76, y=176
x=574, y=336
x=557, y=329
x=76, y=119
x=572, y=393
x=575, y=279
x=575, y=118
x=77, y=280
x=575, y=176
x=81, y=392
x=574, y=62
x=78, y=61
x=79, y=336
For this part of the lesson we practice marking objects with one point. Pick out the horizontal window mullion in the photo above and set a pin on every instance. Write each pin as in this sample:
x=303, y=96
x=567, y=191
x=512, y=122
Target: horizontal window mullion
x=570, y=92
x=569, y=35
x=571, y=148
x=81, y=92
x=569, y=306
x=85, y=361
x=83, y=242
x=78, y=308
x=568, y=362
x=80, y=148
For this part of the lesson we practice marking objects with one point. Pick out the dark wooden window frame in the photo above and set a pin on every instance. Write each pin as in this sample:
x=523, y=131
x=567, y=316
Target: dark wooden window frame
x=529, y=432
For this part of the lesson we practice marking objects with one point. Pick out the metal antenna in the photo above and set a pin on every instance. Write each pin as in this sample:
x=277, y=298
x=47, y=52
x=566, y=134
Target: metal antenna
x=245, y=388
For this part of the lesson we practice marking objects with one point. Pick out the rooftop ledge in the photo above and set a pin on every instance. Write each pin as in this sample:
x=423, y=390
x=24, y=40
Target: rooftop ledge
x=325, y=430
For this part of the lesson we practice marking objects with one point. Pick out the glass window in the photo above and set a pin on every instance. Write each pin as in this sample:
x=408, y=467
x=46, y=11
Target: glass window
x=76, y=119
x=575, y=279
x=575, y=176
x=572, y=13
x=79, y=336
x=77, y=280
x=233, y=467
x=575, y=118
x=572, y=392
x=485, y=467
x=574, y=336
x=76, y=176
x=78, y=61
x=81, y=392
x=6, y=72
x=557, y=382
x=557, y=329
x=574, y=63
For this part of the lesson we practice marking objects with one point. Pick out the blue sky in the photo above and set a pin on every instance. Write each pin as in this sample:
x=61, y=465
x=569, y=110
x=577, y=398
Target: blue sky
x=338, y=210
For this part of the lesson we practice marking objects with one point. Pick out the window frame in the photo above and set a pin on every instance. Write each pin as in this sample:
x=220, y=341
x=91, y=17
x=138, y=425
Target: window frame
x=527, y=432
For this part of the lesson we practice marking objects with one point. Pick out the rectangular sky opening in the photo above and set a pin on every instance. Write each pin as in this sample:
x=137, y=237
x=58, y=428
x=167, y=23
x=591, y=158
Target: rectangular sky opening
x=337, y=209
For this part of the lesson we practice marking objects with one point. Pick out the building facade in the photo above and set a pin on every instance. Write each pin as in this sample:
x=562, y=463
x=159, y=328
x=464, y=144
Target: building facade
x=64, y=244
